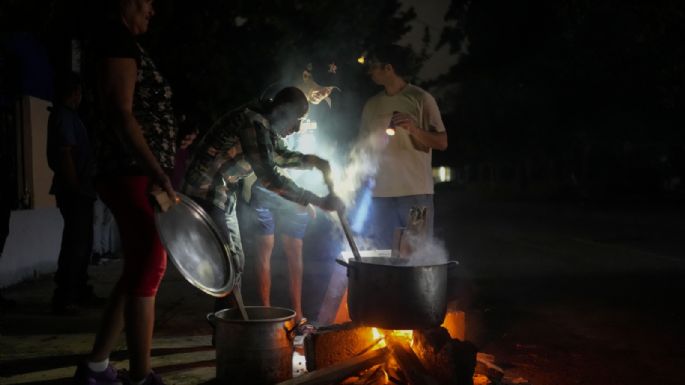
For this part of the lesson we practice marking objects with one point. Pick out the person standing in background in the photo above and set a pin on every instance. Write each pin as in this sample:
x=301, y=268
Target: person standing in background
x=404, y=178
x=70, y=157
x=105, y=234
x=186, y=138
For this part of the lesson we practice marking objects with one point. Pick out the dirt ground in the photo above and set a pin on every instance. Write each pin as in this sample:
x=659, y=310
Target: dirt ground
x=570, y=293
x=559, y=293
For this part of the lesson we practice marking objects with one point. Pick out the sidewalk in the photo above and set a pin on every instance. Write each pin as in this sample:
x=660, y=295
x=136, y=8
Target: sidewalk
x=38, y=347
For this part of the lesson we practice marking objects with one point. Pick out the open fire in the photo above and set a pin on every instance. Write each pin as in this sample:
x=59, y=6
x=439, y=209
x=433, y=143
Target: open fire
x=352, y=354
x=381, y=334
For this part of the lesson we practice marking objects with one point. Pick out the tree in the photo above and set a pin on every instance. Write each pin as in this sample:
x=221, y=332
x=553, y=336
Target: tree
x=567, y=84
x=220, y=54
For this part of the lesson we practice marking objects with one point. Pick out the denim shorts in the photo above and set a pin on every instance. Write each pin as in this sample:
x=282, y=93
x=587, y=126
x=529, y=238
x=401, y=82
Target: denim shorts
x=273, y=211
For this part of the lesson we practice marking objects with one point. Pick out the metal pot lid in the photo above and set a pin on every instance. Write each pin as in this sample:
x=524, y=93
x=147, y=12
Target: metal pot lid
x=196, y=247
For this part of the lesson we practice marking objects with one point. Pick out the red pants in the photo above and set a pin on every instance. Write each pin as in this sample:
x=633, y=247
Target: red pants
x=144, y=256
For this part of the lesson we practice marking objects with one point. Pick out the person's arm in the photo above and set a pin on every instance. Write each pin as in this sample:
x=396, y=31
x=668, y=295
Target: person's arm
x=258, y=150
x=67, y=168
x=436, y=135
x=118, y=79
x=61, y=134
x=286, y=158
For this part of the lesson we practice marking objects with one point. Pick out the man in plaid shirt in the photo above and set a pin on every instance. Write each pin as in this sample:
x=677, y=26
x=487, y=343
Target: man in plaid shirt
x=245, y=140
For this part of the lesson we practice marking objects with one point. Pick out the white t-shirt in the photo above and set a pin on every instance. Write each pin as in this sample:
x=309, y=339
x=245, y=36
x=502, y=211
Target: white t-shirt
x=402, y=169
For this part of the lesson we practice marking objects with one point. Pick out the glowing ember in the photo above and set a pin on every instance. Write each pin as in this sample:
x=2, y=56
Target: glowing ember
x=380, y=334
x=390, y=131
x=376, y=334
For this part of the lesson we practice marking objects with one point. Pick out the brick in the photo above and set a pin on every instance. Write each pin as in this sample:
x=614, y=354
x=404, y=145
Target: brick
x=336, y=343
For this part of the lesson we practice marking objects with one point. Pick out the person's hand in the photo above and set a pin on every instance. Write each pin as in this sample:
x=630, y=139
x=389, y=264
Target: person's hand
x=405, y=121
x=187, y=140
x=162, y=182
x=332, y=202
x=322, y=165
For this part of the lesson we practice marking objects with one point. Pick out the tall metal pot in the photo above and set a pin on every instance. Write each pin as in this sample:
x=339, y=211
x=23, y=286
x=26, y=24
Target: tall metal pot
x=254, y=351
x=389, y=293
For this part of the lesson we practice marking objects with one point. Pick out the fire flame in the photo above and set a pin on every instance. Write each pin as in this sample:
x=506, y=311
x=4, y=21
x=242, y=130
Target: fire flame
x=380, y=334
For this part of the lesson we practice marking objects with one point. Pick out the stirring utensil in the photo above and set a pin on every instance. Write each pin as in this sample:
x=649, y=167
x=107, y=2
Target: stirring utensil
x=239, y=301
x=349, y=236
x=344, y=224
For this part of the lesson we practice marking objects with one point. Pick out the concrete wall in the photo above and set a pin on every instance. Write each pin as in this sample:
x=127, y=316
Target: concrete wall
x=37, y=174
x=33, y=243
x=32, y=246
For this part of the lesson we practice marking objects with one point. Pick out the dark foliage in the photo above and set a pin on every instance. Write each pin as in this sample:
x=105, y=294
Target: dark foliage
x=220, y=54
x=588, y=94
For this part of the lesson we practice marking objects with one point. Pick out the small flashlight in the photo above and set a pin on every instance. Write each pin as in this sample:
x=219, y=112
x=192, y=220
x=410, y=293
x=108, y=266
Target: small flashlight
x=390, y=131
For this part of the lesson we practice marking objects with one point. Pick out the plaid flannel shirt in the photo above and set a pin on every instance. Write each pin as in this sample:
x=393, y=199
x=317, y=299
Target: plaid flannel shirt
x=239, y=143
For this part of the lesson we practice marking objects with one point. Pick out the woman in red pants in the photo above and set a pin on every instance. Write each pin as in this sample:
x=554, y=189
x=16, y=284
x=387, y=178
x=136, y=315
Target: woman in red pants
x=135, y=153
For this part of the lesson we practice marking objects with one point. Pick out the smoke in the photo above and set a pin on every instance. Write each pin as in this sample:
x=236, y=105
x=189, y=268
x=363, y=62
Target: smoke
x=361, y=165
x=349, y=171
x=426, y=250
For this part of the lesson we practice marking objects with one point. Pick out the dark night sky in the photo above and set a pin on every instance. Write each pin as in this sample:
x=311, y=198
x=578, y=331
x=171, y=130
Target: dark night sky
x=583, y=95
x=430, y=14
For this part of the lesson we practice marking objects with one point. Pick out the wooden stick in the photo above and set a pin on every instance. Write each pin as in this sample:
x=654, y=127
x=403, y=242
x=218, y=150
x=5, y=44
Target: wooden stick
x=349, y=236
x=341, y=370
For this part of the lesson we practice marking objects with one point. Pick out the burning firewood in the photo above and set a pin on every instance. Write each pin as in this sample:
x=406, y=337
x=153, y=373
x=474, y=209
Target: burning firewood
x=372, y=376
x=340, y=370
x=410, y=364
x=449, y=360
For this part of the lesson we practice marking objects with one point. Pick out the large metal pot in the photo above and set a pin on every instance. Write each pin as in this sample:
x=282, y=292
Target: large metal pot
x=390, y=293
x=254, y=351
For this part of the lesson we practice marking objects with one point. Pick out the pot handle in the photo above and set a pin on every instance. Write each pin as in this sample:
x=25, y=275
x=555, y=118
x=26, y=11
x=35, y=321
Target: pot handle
x=291, y=333
x=342, y=262
x=452, y=264
x=211, y=318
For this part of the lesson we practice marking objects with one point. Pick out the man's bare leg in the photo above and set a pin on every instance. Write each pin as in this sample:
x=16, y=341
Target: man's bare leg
x=292, y=247
x=265, y=245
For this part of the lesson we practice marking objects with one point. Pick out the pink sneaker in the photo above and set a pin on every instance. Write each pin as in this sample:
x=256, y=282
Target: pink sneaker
x=85, y=376
x=151, y=379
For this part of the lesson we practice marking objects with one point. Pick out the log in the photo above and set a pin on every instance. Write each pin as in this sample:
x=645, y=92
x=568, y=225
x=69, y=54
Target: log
x=450, y=361
x=341, y=370
x=410, y=364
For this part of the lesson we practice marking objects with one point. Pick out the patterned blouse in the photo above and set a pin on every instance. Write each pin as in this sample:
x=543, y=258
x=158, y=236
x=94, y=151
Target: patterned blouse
x=151, y=108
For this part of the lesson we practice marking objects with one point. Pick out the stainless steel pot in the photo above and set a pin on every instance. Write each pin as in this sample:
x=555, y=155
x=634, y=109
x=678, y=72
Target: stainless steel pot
x=389, y=293
x=254, y=351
